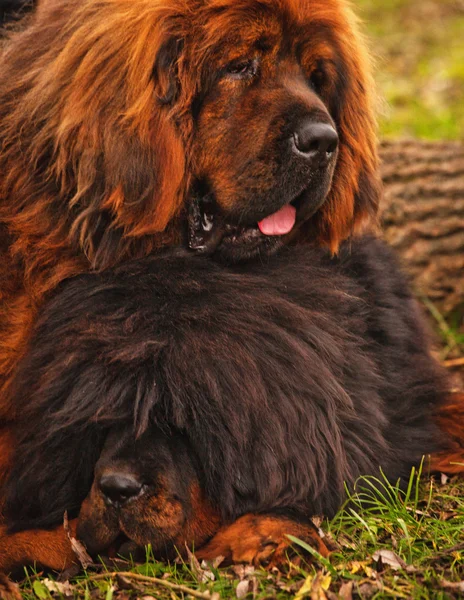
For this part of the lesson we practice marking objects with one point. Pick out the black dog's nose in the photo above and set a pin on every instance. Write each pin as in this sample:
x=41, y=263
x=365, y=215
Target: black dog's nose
x=318, y=141
x=118, y=488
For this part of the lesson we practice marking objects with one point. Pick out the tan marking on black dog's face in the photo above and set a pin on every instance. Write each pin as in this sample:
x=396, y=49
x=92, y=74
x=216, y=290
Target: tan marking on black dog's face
x=148, y=492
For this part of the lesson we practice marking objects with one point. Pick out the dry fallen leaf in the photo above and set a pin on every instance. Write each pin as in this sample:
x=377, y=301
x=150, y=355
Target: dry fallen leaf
x=78, y=548
x=346, y=591
x=343, y=542
x=244, y=571
x=217, y=562
x=324, y=581
x=65, y=589
x=200, y=574
x=367, y=590
x=315, y=587
x=8, y=589
x=357, y=567
x=449, y=585
x=320, y=586
x=306, y=588
x=242, y=589
x=387, y=557
x=447, y=516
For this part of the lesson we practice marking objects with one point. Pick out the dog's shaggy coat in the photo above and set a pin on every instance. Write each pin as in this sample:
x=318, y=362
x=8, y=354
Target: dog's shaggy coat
x=289, y=378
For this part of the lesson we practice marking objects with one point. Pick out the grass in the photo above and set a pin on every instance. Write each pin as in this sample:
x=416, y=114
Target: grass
x=389, y=545
x=419, y=47
x=451, y=331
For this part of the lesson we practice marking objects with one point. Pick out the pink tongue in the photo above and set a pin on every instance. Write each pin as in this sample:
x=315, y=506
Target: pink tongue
x=279, y=223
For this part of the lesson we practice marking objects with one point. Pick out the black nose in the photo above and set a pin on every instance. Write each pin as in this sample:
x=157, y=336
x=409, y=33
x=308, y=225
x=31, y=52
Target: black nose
x=118, y=488
x=318, y=141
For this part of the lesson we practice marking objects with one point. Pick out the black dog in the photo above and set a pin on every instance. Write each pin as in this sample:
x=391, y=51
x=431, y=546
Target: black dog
x=288, y=379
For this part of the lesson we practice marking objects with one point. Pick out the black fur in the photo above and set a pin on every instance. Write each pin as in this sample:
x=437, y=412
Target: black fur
x=289, y=378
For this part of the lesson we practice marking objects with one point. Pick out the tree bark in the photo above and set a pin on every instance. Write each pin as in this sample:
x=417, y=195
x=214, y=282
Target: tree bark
x=423, y=216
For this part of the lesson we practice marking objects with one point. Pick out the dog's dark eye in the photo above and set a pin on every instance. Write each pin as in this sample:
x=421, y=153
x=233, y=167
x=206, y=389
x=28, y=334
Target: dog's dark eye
x=243, y=69
x=318, y=78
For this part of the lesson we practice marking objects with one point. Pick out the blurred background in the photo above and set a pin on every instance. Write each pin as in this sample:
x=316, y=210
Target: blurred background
x=419, y=47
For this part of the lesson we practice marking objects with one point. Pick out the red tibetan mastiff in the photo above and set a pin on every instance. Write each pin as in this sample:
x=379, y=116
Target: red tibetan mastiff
x=230, y=129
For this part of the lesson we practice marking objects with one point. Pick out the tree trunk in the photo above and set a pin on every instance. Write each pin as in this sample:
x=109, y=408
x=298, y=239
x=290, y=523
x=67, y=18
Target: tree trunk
x=423, y=216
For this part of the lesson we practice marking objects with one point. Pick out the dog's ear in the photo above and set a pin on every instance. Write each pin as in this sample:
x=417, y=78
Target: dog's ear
x=107, y=154
x=353, y=202
x=145, y=162
x=45, y=482
x=165, y=71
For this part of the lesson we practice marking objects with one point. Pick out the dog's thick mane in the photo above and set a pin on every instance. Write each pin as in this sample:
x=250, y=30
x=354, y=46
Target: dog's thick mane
x=290, y=378
x=96, y=123
x=86, y=148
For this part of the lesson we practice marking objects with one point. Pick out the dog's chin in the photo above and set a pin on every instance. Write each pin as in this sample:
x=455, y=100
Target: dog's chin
x=125, y=542
x=133, y=543
x=210, y=233
x=247, y=244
